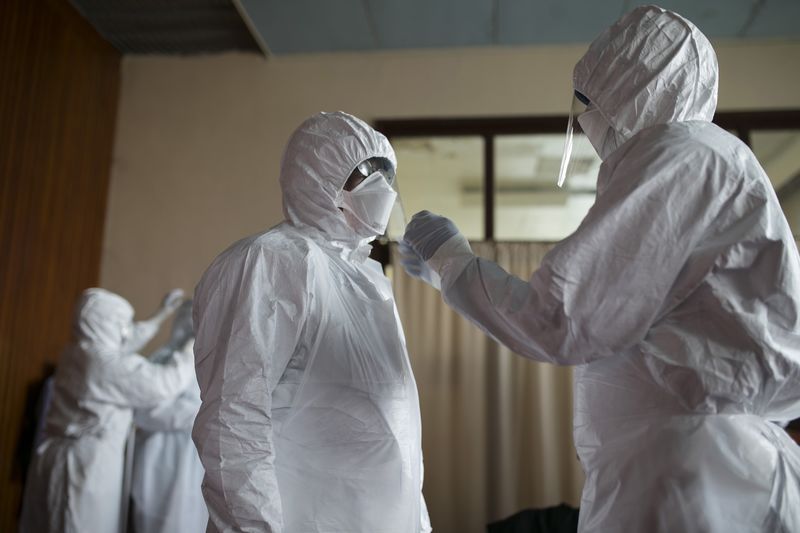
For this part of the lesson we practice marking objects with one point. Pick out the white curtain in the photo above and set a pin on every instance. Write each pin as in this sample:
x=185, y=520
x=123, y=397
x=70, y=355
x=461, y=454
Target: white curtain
x=497, y=428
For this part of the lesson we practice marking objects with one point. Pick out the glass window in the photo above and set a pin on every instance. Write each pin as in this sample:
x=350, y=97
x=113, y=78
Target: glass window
x=446, y=174
x=529, y=205
x=443, y=175
x=779, y=153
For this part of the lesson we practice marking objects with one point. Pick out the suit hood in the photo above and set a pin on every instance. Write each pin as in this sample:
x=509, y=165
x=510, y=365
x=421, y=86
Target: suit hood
x=651, y=67
x=318, y=159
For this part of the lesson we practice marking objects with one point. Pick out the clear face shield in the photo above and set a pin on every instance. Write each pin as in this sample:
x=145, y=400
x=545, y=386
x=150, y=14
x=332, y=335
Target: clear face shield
x=577, y=159
x=396, y=226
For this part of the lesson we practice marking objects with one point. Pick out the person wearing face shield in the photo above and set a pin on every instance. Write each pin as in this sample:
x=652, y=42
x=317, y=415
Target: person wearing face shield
x=310, y=415
x=677, y=299
x=167, y=473
x=75, y=479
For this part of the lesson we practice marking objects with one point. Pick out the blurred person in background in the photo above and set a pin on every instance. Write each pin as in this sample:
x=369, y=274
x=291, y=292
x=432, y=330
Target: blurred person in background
x=167, y=473
x=75, y=481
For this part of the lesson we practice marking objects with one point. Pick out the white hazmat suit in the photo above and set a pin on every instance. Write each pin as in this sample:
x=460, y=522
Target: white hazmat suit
x=75, y=481
x=310, y=416
x=167, y=472
x=677, y=298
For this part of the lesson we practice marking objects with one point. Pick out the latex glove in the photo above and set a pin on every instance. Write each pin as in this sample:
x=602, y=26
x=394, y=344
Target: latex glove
x=416, y=267
x=143, y=331
x=427, y=232
x=172, y=300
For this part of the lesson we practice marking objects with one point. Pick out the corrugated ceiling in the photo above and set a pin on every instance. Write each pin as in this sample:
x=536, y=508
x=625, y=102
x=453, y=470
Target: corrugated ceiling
x=168, y=26
x=300, y=26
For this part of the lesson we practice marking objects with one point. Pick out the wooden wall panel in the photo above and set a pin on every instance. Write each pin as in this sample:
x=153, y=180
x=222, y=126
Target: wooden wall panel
x=59, y=85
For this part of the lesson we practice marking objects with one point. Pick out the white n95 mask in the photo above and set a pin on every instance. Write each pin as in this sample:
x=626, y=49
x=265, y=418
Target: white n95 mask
x=603, y=137
x=368, y=206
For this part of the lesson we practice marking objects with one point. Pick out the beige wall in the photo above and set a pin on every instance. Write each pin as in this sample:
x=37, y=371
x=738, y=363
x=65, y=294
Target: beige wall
x=199, y=140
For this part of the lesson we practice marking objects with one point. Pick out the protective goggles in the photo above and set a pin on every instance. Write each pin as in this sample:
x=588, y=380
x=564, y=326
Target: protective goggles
x=582, y=99
x=372, y=165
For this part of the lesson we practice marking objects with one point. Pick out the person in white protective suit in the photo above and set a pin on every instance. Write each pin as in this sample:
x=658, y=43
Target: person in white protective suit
x=677, y=299
x=167, y=473
x=75, y=481
x=310, y=416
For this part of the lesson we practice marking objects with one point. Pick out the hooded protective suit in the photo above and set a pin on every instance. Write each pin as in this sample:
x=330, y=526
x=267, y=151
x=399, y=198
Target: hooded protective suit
x=167, y=473
x=75, y=481
x=678, y=298
x=310, y=415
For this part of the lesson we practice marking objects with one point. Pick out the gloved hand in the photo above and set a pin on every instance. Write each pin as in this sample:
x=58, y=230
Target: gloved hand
x=144, y=330
x=172, y=300
x=426, y=232
x=182, y=325
x=416, y=267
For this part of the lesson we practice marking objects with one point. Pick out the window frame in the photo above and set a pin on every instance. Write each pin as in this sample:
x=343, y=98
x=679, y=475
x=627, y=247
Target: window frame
x=743, y=123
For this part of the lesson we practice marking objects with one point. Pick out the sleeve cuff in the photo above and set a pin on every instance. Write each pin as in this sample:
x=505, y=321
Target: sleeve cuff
x=451, y=259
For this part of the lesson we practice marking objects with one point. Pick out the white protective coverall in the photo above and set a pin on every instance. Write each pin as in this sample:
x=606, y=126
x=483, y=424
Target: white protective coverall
x=167, y=472
x=75, y=481
x=677, y=298
x=310, y=416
